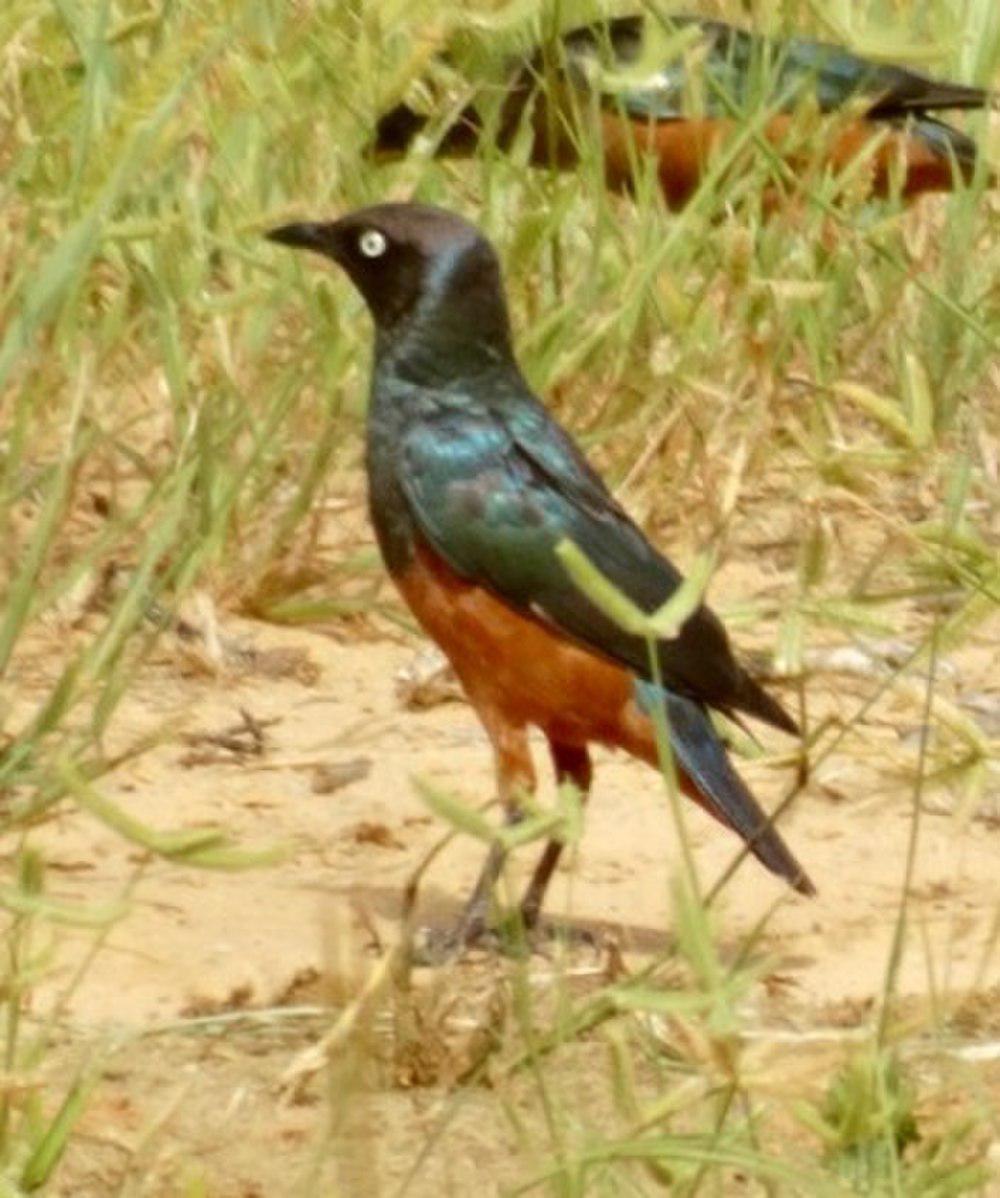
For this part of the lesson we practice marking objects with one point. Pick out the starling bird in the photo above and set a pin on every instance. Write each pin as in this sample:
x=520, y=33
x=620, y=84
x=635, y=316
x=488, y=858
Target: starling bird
x=472, y=485
x=714, y=79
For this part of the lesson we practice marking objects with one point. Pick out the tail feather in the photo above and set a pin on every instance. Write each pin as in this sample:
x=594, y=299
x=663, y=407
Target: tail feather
x=919, y=94
x=754, y=700
x=704, y=760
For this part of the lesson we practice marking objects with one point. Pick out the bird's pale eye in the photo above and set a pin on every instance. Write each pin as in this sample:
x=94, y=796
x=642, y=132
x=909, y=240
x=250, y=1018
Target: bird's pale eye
x=372, y=243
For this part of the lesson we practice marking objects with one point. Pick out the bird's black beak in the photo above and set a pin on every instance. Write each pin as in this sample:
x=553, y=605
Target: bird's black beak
x=308, y=235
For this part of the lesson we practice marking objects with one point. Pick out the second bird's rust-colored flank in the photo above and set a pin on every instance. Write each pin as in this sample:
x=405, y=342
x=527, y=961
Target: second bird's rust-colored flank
x=684, y=150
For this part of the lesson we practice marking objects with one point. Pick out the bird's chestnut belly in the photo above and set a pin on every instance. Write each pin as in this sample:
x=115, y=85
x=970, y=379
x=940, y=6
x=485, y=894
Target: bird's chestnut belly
x=516, y=665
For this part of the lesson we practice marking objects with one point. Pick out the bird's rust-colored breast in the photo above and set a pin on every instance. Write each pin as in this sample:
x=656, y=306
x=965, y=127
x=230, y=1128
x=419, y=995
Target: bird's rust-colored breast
x=518, y=668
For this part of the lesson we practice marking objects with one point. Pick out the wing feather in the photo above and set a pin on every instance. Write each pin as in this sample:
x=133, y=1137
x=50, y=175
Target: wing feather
x=737, y=70
x=495, y=502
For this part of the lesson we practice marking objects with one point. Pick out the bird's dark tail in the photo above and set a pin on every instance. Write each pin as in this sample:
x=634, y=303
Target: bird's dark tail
x=752, y=699
x=702, y=757
x=918, y=94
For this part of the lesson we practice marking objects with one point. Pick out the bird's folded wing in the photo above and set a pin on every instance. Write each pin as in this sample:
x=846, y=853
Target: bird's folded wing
x=727, y=71
x=494, y=504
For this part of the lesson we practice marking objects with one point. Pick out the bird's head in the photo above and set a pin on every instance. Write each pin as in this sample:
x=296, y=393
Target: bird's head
x=427, y=275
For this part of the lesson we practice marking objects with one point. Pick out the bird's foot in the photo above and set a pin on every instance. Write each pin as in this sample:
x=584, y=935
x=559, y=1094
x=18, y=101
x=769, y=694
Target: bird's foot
x=512, y=936
x=440, y=946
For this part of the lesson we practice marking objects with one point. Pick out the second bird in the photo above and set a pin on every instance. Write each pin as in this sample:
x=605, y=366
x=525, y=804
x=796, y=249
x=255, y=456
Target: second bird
x=472, y=485
x=682, y=88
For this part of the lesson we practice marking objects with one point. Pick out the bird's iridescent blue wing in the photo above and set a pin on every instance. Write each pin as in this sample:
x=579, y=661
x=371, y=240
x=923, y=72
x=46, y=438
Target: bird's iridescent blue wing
x=494, y=502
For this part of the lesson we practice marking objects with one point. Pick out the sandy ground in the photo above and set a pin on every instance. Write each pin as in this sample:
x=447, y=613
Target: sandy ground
x=194, y=936
x=197, y=944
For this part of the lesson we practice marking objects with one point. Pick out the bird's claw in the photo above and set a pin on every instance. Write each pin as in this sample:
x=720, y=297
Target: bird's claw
x=512, y=936
x=440, y=946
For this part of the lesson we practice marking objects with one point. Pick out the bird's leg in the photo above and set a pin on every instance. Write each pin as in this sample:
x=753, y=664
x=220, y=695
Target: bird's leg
x=572, y=764
x=516, y=777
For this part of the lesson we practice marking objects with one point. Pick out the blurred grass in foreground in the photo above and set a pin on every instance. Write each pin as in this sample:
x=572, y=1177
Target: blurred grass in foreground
x=178, y=402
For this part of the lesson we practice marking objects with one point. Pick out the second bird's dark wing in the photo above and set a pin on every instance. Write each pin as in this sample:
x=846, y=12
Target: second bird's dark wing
x=494, y=497
x=731, y=70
